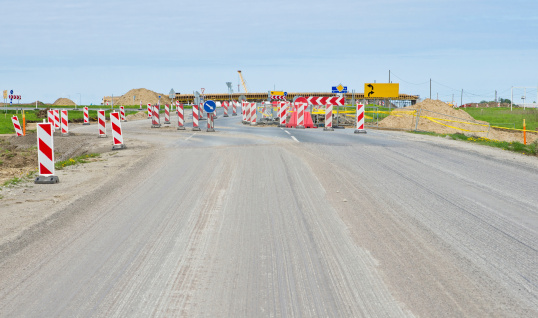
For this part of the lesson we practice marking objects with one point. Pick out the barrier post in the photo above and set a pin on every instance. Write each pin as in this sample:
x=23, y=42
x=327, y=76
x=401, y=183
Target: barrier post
x=180, y=116
x=122, y=114
x=56, y=119
x=282, y=112
x=65, y=125
x=225, y=105
x=150, y=111
x=86, y=116
x=234, y=108
x=195, y=118
x=101, y=123
x=211, y=122
x=50, y=118
x=524, y=133
x=328, y=118
x=155, y=117
x=167, y=114
x=360, y=119
x=117, y=134
x=300, y=115
x=45, y=154
x=253, y=114
x=16, y=125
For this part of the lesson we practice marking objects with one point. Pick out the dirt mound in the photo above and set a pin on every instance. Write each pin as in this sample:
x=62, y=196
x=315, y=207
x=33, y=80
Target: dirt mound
x=141, y=95
x=137, y=116
x=63, y=102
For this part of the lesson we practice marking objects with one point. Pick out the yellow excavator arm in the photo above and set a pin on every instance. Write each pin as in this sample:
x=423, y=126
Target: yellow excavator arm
x=243, y=81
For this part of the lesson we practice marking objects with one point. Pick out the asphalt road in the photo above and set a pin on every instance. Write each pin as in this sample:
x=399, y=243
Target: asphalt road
x=272, y=222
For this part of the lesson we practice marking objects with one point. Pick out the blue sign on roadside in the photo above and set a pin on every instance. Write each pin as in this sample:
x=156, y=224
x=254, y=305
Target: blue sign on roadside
x=339, y=89
x=210, y=106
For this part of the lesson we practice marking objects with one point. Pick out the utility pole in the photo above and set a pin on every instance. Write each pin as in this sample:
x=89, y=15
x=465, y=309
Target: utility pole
x=461, y=100
x=430, y=88
x=495, y=96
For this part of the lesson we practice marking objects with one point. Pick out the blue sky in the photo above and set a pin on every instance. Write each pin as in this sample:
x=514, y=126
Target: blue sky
x=84, y=50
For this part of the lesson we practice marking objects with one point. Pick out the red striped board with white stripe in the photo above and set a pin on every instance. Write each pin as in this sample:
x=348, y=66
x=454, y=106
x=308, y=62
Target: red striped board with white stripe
x=117, y=135
x=86, y=116
x=65, y=123
x=16, y=125
x=334, y=100
x=101, y=120
x=45, y=149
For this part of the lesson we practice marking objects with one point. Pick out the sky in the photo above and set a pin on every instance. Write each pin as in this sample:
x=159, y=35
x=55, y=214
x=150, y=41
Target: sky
x=84, y=50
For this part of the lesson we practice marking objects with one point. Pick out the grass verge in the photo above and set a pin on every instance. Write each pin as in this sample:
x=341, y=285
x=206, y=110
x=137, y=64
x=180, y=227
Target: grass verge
x=59, y=165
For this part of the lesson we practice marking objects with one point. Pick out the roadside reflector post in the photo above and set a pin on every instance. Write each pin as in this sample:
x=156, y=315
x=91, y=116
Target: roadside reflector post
x=86, y=116
x=195, y=114
x=328, y=118
x=155, y=117
x=282, y=113
x=360, y=119
x=50, y=118
x=234, y=108
x=122, y=114
x=210, y=122
x=65, y=123
x=56, y=119
x=180, y=116
x=23, y=124
x=101, y=120
x=17, y=126
x=149, y=110
x=45, y=154
x=300, y=107
x=225, y=105
x=167, y=114
x=117, y=134
x=253, y=114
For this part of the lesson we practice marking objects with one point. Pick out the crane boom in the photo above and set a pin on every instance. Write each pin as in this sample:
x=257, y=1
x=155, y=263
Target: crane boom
x=243, y=81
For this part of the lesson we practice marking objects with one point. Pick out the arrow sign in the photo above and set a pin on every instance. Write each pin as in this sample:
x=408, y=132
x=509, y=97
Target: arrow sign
x=210, y=106
x=339, y=89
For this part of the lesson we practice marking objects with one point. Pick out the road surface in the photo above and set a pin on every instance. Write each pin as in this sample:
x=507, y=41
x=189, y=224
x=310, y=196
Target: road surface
x=272, y=222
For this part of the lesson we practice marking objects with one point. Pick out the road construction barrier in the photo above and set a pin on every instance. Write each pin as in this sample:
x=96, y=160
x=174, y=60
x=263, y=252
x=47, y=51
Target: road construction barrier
x=253, y=114
x=122, y=114
x=86, y=116
x=180, y=116
x=300, y=114
x=225, y=106
x=65, y=121
x=234, y=108
x=150, y=110
x=101, y=120
x=328, y=118
x=156, y=116
x=45, y=154
x=244, y=111
x=282, y=113
x=201, y=111
x=17, y=126
x=195, y=111
x=166, y=114
x=50, y=118
x=211, y=122
x=360, y=119
x=56, y=119
x=117, y=134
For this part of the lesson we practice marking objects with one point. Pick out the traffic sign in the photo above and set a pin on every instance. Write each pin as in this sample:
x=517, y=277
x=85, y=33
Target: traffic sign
x=5, y=94
x=383, y=90
x=172, y=94
x=210, y=106
x=301, y=100
x=339, y=89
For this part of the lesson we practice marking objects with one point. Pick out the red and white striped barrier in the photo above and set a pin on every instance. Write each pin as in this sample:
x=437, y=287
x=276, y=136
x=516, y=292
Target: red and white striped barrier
x=329, y=117
x=282, y=113
x=117, y=135
x=56, y=119
x=17, y=126
x=180, y=116
x=253, y=114
x=300, y=107
x=167, y=114
x=65, y=121
x=234, y=108
x=360, y=119
x=195, y=115
x=50, y=118
x=201, y=111
x=334, y=100
x=150, y=110
x=45, y=154
x=244, y=109
x=225, y=105
x=101, y=120
x=156, y=116
x=122, y=113
x=211, y=122
x=86, y=116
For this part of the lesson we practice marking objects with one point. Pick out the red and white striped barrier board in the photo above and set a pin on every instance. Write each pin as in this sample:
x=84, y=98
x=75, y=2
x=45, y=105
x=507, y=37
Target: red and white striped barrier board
x=211, y=122
x=122, y=113
x=14, y=97
x=180, y=116
x=117, y=135
x=50, y=118
x=282, y=113
x=195, y=115
x=253, y=114
x=45, y=154
x=300, y=114
x=101, y=120
x=246, y=112
x=234, y=108
x=57, y=119
x=156, y=116
x=86, y=116
x=225, y=106
x=329, y=117
x=16, y=125
x=201, y=111
x=334, y=100
x=150, y=111
x=167, y=114
x=278, y=97
x=65, y=123
x=360, y=119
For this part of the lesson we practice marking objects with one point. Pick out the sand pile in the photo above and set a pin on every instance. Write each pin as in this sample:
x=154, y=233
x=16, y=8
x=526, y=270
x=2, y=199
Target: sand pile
x=439, y=117
x=63, y=102
x=137, y=116
x=141, y=95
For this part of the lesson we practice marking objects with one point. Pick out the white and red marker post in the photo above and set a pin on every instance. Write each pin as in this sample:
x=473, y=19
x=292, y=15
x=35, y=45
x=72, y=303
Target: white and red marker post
x=234, y=108
x=282, y=112
x=117, y=135
x=65, y=123
x=253, y=114
x=225, y=106
x=17, y=126
x=195, y=115
x=245, y=108
x=300, y=107
x=50, y=118
x=156, y=117
x=57, y=119
x=201, y=111
x=180, y=116
x=149, y=110
x=167, y=114
x=45, y=154
x=360, y=119
x=122, y=113
x=101, y=121
x=86, y=116
x=328, y=118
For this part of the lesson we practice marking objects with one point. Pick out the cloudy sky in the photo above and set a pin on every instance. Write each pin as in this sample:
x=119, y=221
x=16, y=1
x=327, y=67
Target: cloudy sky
x=84, y=50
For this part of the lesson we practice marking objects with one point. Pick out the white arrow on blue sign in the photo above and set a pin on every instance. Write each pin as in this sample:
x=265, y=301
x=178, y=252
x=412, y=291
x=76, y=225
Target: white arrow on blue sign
x=210, y=106
x=335, y=90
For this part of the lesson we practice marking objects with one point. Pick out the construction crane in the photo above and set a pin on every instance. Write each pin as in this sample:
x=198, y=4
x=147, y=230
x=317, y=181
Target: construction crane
x=243, y=81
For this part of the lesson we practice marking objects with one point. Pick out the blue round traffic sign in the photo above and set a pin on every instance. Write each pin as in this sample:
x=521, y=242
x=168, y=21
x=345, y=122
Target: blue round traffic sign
x=210, y=106
x=11, y=92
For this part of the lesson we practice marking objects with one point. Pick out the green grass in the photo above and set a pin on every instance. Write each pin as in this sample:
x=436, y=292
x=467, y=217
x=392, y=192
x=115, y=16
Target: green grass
x=503, y=117
x=529, y=149
x=59, y=165
x=14, y=181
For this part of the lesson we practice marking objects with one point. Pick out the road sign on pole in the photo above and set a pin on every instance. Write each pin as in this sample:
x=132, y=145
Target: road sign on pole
x=210, y=106
x=381, y=90
x=339, y=89
x=172, y=94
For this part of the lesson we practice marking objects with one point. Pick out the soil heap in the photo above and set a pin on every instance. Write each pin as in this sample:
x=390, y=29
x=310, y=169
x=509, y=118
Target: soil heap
x=141, y=95
x=63, y=102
